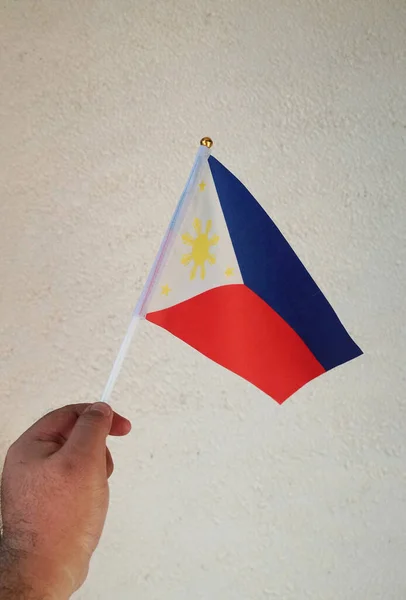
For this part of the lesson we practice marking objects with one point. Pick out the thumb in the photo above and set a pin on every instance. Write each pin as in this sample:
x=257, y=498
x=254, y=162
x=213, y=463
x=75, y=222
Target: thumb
x=88, y=436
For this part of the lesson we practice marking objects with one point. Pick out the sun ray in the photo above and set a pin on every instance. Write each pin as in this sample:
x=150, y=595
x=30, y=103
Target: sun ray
x=214, y=240
x=211, y=258
x=186, y=258
x=197, y=225
x=208, y=227
x=187, y=239
x=202, y=271
x=193, y=272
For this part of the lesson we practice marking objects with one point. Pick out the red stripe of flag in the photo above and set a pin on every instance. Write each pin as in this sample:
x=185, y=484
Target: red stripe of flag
x=238, y=330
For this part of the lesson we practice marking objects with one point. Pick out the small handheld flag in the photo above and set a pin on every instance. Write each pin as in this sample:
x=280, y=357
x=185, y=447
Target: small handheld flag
x=227, y=282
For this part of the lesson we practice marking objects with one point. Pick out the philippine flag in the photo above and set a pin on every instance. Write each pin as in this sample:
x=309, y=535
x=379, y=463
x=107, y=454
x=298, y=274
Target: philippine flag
x=227, y=283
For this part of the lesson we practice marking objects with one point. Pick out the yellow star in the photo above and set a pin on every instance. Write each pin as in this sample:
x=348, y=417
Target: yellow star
x=228, y=272
x=202, y=185
x=165, y=289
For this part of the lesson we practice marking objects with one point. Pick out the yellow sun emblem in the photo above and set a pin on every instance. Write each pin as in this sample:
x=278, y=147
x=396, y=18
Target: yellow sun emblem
x=201, y=245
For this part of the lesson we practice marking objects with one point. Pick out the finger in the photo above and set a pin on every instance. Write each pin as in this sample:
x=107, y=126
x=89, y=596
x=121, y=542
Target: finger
x=49, y=434
x=109, y=463
x=57, y=422
x=62, y=421
x=120, y=425
x=88, y=437
x=66, y=417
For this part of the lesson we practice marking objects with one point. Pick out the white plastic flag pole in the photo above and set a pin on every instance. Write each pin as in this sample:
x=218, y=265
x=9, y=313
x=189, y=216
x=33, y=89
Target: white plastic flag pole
x=118, y=363
x=159, y=262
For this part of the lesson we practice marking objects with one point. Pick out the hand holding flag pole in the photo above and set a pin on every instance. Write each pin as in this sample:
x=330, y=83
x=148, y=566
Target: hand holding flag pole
x=203, y=154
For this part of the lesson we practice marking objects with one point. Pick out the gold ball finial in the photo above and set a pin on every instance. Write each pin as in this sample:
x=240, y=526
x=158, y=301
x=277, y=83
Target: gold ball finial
x=206, y=141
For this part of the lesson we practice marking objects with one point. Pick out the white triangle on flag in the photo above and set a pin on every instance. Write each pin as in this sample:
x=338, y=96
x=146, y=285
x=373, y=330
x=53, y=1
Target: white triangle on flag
x=202, y=256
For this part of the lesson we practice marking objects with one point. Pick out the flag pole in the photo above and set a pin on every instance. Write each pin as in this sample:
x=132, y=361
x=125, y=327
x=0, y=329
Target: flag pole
x=203, y=154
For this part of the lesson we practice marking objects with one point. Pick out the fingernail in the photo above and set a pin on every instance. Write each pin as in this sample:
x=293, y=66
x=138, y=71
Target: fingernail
x=99, y=408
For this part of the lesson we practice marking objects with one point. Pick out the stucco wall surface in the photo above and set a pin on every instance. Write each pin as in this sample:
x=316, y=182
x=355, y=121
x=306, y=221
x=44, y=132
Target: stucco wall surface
x=218, y=493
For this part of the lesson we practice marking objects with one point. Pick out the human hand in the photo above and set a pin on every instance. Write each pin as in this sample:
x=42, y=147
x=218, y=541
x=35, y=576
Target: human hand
x=54, y=500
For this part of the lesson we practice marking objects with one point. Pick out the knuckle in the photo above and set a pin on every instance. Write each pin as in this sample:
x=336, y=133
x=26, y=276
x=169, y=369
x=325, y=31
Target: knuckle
x=13, y=451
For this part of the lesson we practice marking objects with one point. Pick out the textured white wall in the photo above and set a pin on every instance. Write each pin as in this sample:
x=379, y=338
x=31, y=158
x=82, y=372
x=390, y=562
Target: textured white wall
x=219, y=494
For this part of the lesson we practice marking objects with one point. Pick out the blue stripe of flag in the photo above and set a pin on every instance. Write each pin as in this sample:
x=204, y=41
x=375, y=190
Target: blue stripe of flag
x=271, y=269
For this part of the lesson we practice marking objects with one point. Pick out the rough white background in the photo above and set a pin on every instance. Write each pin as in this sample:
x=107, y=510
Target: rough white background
x=218, y=494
